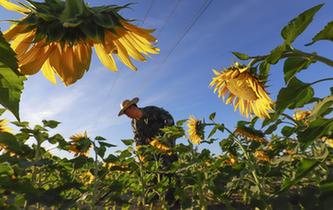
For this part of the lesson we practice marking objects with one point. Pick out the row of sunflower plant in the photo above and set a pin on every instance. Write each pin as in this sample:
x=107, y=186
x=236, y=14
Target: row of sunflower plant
x=284, y=163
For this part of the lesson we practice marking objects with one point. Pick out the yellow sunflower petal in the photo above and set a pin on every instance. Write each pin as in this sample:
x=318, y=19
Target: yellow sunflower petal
x=48, y=72
x=34, y=59
x=123, y=55
x=106, y=59
x=13, y=7
x=22, y=43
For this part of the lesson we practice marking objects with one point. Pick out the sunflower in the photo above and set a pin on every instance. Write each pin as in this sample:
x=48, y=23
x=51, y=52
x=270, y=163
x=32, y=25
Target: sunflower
x=161, y=147
x=195, y=130
x=80, y=144
x=57, y=37
x=245, y=90
x=250, y=134
x=232, y=160
x=87, y=178
x=261, y=156
x=3, y=127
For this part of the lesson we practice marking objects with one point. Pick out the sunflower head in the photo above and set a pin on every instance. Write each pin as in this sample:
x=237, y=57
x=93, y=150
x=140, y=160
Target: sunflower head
x=87, y=178
x=232, y=160
x=261, y=156
x=62, y=33
x=244, y=90
x=4, y=127
x=250, y=134
x=195, y=130
x=80, y=144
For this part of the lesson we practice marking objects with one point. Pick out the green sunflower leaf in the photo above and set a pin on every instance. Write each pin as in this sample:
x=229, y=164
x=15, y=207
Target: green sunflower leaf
x=276, y=54
x=294, y=65
x=322, y=108
x=296, y=26
x=11, y=84
x=305, y=166
x=264, y=69
x=295, y=95
x=315, y=130
x=241, y=56
x=325, y=34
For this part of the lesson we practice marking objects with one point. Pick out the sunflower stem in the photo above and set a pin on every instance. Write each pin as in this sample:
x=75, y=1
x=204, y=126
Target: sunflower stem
x=321, y=80
x=293, y=53
x=246, y=155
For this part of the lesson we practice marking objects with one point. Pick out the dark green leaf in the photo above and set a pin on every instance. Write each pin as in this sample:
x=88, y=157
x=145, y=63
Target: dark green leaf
x=316, y=129
x=100, y=138
x=322, y=108
x=295, y=95
x=273, y=127
x=100, y=151
x=57, y=139
x=104, y=144
x=276, y=54
x=325, y=34
x=287, y=131
x=264, y=69
x=51, y=123
x=111, y=159
x=327, y=187
x=213, y=131
x=305, y=166
x=11, y=85
x=212, y=116
x=2, y=111
x=128, y=142
x=294, y=65
x=7, y=55
x=180, y=122
x=5, y=168
x=296, y=26
x=241, y=56
x=21, y=124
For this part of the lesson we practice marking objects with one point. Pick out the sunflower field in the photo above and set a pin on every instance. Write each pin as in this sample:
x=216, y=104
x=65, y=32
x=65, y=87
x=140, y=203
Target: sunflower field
x=280, y=158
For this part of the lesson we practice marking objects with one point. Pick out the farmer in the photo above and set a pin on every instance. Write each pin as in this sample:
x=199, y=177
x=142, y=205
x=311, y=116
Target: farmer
x=147, y=123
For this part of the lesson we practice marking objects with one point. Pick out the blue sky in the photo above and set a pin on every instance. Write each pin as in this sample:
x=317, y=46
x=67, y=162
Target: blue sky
x=180, y=83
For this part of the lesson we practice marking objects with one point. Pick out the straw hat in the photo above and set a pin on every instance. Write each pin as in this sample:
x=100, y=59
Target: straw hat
x=127, y=103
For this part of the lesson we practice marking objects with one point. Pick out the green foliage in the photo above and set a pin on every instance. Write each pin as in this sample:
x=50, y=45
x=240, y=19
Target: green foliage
x=241, y=56
x=294, y=65
x=295, y=95
x=325, y=34
x=11, y=84
x=286, y=164
x=296, y=26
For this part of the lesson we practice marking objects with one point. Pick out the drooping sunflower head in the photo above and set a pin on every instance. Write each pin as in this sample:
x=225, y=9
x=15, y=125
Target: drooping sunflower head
x=244, y=90
x=250, y=134
x=61, y=35
x=261, y=156
x=80, y=144
x=195, y=130
x=4, y=127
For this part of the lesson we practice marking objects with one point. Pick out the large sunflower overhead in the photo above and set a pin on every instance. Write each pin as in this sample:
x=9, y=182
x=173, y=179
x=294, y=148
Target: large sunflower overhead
x=245, y=91
x=57, y=37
